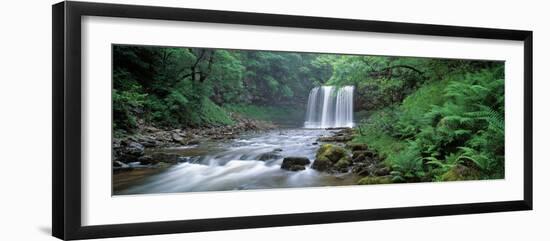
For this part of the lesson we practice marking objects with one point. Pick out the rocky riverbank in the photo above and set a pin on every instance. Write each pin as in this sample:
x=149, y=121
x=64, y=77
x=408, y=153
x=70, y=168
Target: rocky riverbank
x=338, y=155
x=144, y=153
x=129, y=150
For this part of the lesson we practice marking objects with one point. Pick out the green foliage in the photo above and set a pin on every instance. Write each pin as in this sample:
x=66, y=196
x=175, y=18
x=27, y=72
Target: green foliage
x=226, y=77
x=380, y=81
x=375, y=133
x=447, y=129
x=281, y=77
x=187, y=87
x=416, y=105
x=213, y=114
x=127, y=101
x=407, y=165
x=279, y=114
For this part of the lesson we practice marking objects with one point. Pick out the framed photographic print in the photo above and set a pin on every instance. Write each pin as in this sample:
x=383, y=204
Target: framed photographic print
x=170, y=120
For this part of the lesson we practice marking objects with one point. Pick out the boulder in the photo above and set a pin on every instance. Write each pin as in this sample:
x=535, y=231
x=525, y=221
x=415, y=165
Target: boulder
x=129, y=152
x=370, y=167
x=332, y=152
x=358, y=156
x=343, y=164
x=362, y=169
x=322, y=164
x=295, y=163
x=331, y=157
x=146, y=160
x=357, y=146
x=296, y=168
x=363, y=156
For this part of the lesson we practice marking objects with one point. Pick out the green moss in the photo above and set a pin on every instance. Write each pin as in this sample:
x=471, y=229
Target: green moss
x=343, y=163
x=323, y=149
x=321, y=163
x=332, y=152
x=375, y=180
x=329, y=156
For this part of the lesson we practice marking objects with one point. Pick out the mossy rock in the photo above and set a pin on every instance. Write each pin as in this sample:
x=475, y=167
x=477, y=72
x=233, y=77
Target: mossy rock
x=370, y=180
x=332, y=152
x=331, y=158
x=322, y=164
x=323, y=149
x=358, y=156
x=343, y=164
x=461, y=173
x=357, y=146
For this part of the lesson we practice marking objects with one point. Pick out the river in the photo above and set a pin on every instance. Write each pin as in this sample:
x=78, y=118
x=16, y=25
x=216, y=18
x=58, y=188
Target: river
x=223, y=165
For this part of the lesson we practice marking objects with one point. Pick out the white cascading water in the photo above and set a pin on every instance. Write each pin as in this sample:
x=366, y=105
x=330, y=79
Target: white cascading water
x=236, y=165
x=330, y=107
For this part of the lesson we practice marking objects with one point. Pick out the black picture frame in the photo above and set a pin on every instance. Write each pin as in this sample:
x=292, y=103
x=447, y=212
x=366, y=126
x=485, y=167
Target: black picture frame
x=66, y=128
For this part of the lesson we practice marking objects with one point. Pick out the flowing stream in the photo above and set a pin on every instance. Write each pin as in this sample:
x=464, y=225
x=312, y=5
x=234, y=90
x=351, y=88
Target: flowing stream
x=236, y=165
x=253, y=161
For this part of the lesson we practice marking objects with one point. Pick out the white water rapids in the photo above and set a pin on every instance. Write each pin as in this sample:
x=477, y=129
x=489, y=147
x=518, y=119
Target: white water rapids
x=330, y=107
x=235, y=165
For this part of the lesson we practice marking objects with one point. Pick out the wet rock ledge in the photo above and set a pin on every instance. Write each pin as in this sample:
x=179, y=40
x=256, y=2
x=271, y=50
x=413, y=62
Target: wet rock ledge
x=338, y=155
x=129, y=149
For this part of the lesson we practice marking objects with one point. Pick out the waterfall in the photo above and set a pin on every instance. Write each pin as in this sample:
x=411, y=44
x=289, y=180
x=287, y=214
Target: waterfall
x=329, y=106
